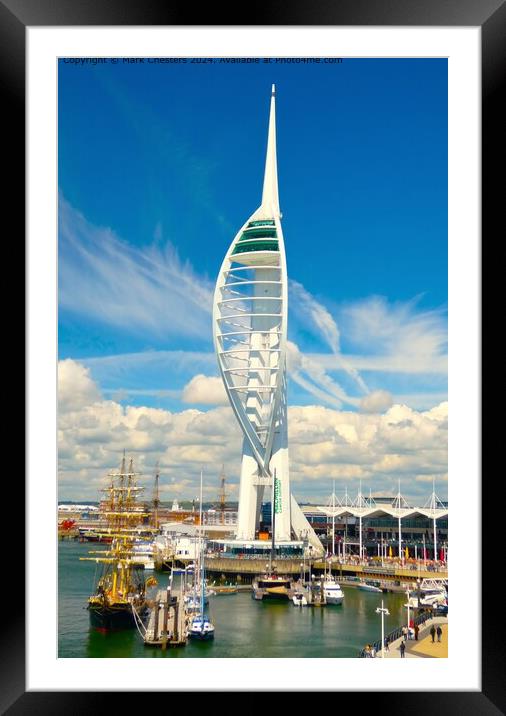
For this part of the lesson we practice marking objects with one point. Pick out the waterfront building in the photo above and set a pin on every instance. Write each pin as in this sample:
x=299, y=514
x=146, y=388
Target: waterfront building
x=384, y=522
x=250, y=314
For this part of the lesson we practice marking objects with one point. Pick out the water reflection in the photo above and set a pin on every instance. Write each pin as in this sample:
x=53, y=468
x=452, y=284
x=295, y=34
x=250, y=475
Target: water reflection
x=244, y=627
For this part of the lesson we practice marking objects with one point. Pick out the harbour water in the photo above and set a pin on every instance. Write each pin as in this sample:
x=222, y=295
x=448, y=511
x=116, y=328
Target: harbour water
x=244, y=628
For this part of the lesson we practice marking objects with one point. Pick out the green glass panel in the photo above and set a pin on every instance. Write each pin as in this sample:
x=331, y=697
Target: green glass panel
x=258, y=234
x=256, y=246
x=264, y=222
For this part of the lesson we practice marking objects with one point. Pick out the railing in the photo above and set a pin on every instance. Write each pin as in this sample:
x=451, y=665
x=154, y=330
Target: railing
x=396, y=633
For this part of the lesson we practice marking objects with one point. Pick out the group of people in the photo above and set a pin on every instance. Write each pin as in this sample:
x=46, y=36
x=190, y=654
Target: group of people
x=436, y=631
x=370, y=651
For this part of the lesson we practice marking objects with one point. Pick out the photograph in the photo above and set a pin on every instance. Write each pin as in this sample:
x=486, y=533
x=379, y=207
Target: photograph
x=252, y=357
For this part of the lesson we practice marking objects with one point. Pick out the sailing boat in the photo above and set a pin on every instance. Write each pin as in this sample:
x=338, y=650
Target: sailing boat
x=120, y=593
x=271, y=585
x=201, y=627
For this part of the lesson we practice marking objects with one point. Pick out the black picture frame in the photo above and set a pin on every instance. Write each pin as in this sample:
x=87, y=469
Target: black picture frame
x=490, y=15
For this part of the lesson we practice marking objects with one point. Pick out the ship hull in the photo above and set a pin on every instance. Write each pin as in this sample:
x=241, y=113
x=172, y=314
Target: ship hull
x=112, y=618
x=270, y=595
x=199, y=636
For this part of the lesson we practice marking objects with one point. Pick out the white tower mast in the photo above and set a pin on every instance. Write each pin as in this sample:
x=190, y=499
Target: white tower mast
x=249, y=328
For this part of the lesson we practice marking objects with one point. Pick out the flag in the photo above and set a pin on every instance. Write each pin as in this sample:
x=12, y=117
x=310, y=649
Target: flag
x=277, y=495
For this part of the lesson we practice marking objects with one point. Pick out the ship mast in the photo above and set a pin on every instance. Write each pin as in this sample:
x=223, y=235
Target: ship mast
x=122, y=513
x=222, y=495
x=156, y=495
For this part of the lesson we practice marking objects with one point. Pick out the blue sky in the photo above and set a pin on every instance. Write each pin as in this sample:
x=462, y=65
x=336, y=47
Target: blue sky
x=159, y=166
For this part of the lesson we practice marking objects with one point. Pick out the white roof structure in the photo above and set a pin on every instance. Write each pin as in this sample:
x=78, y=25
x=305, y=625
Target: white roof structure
x=385, y=510
x=366, y=507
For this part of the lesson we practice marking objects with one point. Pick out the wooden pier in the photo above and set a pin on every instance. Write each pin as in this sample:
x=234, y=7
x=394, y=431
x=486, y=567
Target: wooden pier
x=167, y=620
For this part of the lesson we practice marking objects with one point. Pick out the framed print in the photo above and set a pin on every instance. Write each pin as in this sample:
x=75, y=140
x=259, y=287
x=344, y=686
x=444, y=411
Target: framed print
x=146, y=138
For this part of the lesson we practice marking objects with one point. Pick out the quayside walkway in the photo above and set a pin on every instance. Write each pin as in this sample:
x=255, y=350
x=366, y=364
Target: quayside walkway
x=423, y=647
x=229, y=566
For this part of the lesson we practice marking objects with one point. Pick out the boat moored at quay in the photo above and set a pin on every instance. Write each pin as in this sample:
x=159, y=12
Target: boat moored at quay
x=120, y=592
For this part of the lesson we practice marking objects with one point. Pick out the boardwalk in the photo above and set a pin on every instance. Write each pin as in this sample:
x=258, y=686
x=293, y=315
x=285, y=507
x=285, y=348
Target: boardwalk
x=167, y=620
x=423, y=648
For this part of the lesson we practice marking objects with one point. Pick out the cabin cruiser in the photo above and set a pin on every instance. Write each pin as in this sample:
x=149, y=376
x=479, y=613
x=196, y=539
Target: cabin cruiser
x=144, y=553
x=432, y=593
x=272, y=586
x=332, y=592
x=369, y=587
x=429, y=598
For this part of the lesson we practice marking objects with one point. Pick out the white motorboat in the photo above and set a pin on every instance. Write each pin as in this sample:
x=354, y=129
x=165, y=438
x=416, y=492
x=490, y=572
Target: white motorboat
x=368, y=587
x=299, y=599
x=143, y=553
x=332, y=592
x=433, y=593
x=431, y=598
x=201, y=628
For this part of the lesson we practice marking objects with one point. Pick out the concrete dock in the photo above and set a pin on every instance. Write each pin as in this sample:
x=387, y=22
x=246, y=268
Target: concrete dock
x=167, y=620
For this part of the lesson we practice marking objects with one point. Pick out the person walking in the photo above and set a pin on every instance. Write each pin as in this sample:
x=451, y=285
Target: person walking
x=433, y=632
x=386, y=644
x=403, y=649
x=417, y=629
x=439, y=633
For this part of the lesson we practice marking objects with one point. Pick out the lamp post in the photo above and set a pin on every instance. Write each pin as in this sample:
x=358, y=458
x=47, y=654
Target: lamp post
x=408, y=593
x=382, y=610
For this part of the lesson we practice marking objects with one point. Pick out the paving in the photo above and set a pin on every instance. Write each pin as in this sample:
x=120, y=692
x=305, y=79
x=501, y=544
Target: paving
x=423, y=648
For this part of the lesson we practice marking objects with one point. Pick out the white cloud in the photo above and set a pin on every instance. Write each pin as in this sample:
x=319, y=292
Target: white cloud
x=376, y=402
x=310, y=375
x=205, y=390
x=325, y=444
x=75, y=386
x=148, y=292
x=398, y=331
x=315, y=315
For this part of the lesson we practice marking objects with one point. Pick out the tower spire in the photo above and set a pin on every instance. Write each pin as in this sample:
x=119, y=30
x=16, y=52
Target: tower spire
x=270, y=196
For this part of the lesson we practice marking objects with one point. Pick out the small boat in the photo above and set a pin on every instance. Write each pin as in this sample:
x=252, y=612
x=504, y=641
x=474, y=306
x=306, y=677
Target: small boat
x=201, y=628
x=299, y=599
x=272, y=586
x=225, y=589
x=177, y=570
x=368, y=587
x=143, y=553
x=332, y=592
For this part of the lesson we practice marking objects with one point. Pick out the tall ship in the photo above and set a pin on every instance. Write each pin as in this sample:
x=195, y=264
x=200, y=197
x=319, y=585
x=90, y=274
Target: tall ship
x=119, y=598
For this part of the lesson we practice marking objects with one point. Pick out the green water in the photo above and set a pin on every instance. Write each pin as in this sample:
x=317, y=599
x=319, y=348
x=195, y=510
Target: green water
x=244, y=627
